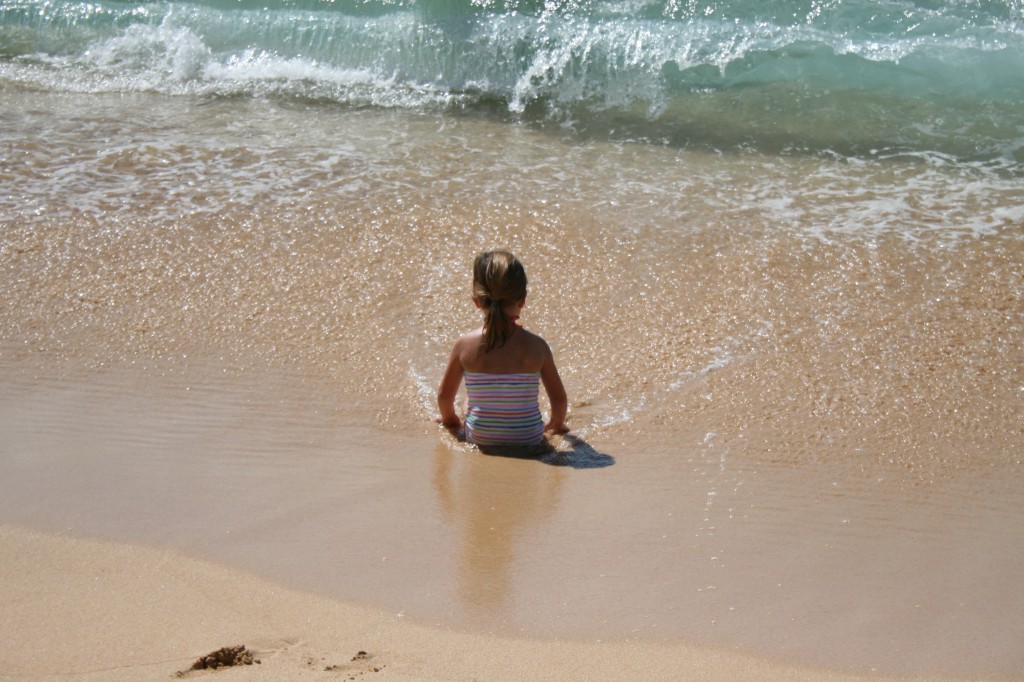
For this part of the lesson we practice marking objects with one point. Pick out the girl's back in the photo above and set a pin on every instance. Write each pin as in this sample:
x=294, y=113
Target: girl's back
x=502, y=364
x=523, y=352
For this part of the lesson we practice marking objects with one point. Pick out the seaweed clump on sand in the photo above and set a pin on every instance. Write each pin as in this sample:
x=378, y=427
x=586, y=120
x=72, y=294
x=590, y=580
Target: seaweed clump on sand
x=223, y=658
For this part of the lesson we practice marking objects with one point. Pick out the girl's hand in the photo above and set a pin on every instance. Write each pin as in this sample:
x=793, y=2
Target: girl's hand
x=452, y=423
x=558, y=428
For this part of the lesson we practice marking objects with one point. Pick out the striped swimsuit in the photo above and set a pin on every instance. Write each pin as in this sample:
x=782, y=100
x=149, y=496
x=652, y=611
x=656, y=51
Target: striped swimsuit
x=503, y=409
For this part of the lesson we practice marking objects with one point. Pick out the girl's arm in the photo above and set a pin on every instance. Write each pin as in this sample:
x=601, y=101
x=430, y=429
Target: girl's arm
x=448, y=390
x=556, y=395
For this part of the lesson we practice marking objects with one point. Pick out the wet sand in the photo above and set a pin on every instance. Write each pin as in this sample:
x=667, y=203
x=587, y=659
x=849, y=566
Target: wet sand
x=798, y=433
x=87, y=610
x=699, y=545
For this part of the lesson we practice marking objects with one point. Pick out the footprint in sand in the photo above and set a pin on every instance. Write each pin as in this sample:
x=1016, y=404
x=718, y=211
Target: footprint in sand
x=357, y=666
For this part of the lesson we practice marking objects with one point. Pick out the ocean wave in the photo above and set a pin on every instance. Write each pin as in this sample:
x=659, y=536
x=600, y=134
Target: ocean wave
x=847, y=77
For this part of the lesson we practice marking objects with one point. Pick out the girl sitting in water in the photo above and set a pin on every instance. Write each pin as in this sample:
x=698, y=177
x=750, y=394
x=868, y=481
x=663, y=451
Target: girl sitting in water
x=502, y=364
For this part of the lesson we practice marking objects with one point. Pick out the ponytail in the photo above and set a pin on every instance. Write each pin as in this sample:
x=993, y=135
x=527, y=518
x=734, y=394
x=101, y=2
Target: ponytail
x=497, y=326
x=498, y=279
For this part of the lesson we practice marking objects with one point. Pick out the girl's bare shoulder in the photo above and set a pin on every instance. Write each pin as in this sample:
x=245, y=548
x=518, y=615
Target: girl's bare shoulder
x=468, y=346
x=536, y=338
x=468, y=339
x=535, y=342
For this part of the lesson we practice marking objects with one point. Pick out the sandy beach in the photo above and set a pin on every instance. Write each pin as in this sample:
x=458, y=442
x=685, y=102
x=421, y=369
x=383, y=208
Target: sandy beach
x=795, y=390
x=239, y=511
x=78, y=609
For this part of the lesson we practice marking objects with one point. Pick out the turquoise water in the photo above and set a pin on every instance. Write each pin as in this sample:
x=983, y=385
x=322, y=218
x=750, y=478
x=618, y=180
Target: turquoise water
x=937, y=78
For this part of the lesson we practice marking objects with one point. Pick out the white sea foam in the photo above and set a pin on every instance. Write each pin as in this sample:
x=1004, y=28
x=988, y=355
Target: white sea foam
x=649, y=70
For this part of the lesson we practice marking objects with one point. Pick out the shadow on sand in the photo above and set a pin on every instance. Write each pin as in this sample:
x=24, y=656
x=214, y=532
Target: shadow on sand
x=567, y=451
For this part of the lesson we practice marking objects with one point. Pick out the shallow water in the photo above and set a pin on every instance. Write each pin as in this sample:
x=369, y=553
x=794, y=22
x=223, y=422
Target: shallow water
x=797, y=379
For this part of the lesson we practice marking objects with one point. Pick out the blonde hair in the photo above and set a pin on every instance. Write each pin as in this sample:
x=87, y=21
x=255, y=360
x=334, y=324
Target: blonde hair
x=498, y=279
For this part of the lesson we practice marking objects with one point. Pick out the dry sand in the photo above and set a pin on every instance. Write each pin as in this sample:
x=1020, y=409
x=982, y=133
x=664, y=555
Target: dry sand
x=77, y=609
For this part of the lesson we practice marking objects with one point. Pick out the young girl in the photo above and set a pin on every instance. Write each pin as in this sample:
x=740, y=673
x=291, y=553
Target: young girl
x=502, y=364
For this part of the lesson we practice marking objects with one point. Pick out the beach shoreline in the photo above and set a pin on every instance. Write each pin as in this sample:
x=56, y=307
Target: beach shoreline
x=85, y=609
x=794, y=381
